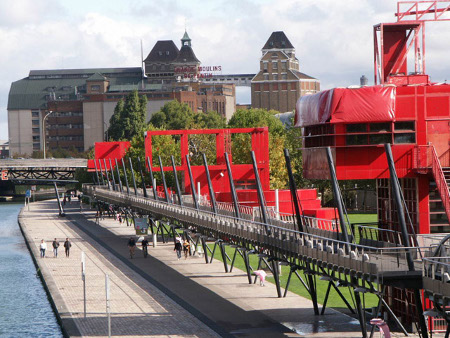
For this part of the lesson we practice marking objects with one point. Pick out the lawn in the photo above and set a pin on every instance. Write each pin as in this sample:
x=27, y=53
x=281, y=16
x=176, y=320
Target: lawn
x=296, y=286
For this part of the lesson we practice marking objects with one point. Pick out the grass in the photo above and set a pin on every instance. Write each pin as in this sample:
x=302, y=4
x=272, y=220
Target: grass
x=334, y=300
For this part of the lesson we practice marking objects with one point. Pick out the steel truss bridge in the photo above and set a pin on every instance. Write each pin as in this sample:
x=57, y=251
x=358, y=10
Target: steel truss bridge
x=40, y=171
x=368, y=261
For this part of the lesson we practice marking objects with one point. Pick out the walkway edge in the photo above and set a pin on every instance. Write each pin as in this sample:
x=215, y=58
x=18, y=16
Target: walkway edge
x=67, y=324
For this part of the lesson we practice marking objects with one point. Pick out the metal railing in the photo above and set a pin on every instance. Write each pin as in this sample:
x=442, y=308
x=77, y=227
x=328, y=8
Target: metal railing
x=370, y=260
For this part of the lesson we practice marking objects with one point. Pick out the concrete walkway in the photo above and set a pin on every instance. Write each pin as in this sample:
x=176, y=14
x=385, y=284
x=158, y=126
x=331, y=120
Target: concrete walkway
x=160, y=295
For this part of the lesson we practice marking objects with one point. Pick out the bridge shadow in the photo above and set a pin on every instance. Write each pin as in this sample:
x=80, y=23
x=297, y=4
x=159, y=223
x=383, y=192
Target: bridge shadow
x=222, y=316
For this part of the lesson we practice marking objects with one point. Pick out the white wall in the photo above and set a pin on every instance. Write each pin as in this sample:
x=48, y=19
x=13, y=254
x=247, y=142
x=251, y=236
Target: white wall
x=20, y=132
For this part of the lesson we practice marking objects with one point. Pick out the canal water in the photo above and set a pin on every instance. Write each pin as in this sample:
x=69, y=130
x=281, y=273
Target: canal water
x=24, y=308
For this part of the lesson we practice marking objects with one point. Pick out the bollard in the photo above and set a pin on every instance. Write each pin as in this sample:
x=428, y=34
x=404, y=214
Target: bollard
x=154, y=240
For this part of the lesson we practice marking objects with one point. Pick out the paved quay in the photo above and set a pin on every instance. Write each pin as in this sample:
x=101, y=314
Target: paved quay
x=160, y=295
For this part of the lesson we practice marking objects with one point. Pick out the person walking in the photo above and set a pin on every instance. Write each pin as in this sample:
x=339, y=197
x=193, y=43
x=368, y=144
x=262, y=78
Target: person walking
x=55, y=246
x=132, y=246
x=145, y=246
x=67, y=246
x=186, y=249
x=178, y=247
x=43, y=247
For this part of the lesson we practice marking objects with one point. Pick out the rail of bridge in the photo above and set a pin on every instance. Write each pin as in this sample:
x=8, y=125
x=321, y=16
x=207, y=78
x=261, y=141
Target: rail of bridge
x=369, y=263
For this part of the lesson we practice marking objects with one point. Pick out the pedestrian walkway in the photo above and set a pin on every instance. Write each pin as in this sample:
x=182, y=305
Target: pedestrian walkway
x=161, y=295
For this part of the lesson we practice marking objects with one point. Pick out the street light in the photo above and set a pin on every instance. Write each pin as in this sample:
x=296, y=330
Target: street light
x=43, y=128
x=106, y=130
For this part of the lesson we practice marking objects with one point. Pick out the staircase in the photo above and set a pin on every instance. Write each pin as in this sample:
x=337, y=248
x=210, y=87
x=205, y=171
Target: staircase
x=442, y=178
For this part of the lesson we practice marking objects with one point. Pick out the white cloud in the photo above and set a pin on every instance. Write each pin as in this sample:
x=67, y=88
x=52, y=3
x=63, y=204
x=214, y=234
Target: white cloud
x=333, y=39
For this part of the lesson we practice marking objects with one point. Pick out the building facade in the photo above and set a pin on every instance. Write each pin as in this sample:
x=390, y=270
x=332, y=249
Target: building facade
x=82, y=101
x=279, y=83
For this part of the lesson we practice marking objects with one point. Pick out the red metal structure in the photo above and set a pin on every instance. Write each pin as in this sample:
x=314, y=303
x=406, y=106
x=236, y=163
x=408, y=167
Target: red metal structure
x=108, y=150
x=404, y=109
x=243, y=173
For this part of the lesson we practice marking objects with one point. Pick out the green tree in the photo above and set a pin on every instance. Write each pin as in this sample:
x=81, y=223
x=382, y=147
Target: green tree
x=129, y=118
x=241, y=145
x=173, y=116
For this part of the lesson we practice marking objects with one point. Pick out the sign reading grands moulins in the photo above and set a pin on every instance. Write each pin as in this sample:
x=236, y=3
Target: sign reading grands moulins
x=200, y=71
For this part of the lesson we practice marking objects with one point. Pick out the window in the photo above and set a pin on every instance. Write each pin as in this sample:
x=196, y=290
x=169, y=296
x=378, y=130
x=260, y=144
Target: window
x=404, y=132
x=284, y=86
x=275, y=77
x=36, y=138
x=95, y=88
x=35, y=130
x=35, y=114
x=283, y=65
x=293, y=87
x=35, y=122
x=274, y=65
x=265, y=66
x=266, y=77
x=284, y=76
x=405, y=138
x=266, y=87
x=356, y=128
x=404, y=125
x=378, y=127
x=167, y=52
x=256, y=87
x=275, y=86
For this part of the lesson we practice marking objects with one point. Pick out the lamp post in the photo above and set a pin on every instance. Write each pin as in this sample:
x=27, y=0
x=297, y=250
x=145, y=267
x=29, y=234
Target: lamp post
x=43, y=129
x=106, y=131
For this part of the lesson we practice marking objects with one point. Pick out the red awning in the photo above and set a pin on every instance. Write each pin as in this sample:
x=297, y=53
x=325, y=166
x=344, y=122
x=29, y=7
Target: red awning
x=346, y=105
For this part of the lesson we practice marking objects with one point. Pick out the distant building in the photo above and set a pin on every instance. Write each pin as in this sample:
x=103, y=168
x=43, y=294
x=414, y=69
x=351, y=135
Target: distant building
x=279, y=83
x=83, y=100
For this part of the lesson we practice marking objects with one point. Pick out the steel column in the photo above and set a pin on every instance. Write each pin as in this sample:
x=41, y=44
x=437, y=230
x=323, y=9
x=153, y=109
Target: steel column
x=96, y=172
x=177, y=185
x=260, y=193
x=118, y=176
x=232, y=188
x=132, y=176
x=150, y=170
x=112, y=175
x=191, y=178
x=107, y=174
x=293, y=188
x=211, y=190
x=61, y=209
x=405, y=236
x=144, y=189
x=126, y=177
x=163, y=179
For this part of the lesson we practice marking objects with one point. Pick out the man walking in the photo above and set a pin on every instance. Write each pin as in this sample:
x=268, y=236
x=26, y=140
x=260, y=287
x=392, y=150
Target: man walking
x=145, y=246
x=55, y=245
x=67, y=246
x=43, y=247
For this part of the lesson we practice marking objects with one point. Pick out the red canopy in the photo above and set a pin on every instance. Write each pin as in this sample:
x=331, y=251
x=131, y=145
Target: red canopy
x=346, y=105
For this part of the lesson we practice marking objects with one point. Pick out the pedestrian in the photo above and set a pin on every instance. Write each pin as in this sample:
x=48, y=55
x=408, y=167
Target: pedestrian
x=262, y=276
x=64, y=200
x=55, y=245
x=186, y=249
x=145, y=246
x=67, y=246
x=43, y=247
x=131, y=246
x=120, y=219
x=178, y=247
x=69, y=197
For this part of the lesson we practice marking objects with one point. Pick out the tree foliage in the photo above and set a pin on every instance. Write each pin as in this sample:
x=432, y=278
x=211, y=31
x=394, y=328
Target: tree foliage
x=129, y=118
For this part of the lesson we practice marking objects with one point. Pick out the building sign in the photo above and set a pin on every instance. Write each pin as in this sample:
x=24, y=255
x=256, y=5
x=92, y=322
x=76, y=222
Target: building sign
x=198, y=72
x=4, y=175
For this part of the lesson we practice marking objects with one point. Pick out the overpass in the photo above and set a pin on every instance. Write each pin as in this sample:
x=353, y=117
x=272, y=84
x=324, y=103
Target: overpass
x=373, y=262
x=239, y=80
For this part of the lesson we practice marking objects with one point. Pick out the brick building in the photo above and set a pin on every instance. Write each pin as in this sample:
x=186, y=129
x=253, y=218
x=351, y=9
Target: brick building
x=279, y=83
x=83, y=100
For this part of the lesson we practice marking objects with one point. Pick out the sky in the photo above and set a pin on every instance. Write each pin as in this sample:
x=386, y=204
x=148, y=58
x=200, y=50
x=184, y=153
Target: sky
x=333, y=38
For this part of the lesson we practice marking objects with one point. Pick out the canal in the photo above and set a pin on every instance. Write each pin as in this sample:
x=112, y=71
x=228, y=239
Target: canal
x=25, y=310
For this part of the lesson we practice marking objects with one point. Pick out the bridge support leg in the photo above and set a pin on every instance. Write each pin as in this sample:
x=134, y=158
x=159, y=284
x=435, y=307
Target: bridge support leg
x=205, y=250
x=61, y=210
x=276, y=276
x=287, y=283
x=224, y=255
x=259, y=267
x=324, y=306
x=312, y=292
x=360, y=311
x=247, y=266
x=213, y=252
x=372, y=331
x=234, y=258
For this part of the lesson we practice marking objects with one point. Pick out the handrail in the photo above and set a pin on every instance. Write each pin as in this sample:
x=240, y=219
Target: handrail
x=441, y=183
x=286, y=239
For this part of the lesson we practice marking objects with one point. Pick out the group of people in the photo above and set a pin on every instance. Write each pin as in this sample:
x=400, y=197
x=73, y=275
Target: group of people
x=55, y=245
x=181, y=245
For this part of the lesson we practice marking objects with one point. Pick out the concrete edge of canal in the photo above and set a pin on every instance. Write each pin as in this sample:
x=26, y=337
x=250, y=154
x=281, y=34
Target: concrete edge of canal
x=63, y=316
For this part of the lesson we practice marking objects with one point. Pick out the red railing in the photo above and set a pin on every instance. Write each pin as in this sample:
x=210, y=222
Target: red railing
x=441, y=183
